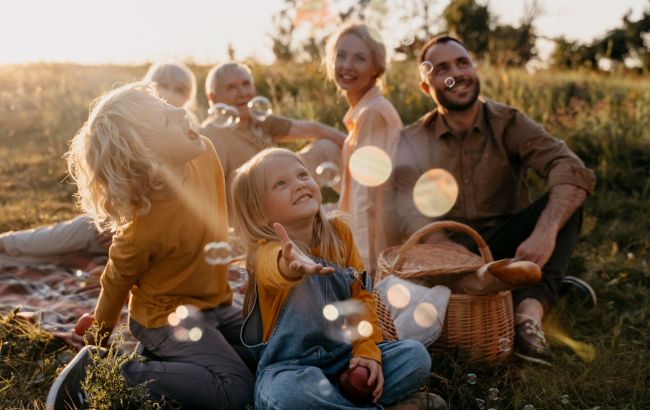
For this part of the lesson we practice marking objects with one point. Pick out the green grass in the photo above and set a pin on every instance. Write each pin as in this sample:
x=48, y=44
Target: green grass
x=605, y=119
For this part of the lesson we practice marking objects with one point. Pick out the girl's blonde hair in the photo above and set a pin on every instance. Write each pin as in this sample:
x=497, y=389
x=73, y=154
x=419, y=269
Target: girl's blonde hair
x=367, y=35
x=113, y=168
x=174, y=73
x=216, y=73
x=251, y=222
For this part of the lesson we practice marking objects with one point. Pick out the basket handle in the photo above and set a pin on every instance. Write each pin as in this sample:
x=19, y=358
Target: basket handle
x=438, y=226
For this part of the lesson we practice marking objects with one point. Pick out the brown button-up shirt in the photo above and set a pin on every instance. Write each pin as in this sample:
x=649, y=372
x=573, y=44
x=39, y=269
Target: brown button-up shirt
x=489, y=164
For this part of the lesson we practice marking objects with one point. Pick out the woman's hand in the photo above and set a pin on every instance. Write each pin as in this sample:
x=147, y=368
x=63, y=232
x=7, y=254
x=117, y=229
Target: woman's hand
x=293, y=262
x=376, y=373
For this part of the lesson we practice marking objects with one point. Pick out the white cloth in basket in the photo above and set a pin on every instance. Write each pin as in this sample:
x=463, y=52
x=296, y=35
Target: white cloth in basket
x=422, y=317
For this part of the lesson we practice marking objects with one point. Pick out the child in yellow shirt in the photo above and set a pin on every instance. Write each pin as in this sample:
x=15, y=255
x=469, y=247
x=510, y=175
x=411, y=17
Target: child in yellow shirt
x=302, y=264
x=139, y=165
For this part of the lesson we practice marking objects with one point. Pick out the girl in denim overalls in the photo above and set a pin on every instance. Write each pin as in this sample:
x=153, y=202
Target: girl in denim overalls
x=298, y=261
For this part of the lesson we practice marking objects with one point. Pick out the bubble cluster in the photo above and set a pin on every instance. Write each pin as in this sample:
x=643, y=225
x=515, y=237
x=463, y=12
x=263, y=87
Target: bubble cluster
x=224, y=115
x=370, y=166
x=328, y=174
x=260, y=108
x=435, y=192
x=217, y=253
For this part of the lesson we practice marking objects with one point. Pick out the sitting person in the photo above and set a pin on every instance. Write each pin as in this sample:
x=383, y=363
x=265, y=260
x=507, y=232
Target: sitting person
x=299, y=261
x=488, y=148
x=176, y=84
x=232, y=84
x=163, y=215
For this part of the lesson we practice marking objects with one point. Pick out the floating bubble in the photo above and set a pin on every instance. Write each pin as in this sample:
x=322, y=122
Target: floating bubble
x=565, y=399
x=182, y=312
x=425, y=314
x=173, y=319
x=364, y=328
x=238, y=279
x=195, y=334
x=78, y=273
x=480, y=404
x=217, y=253
x=328, y=174
x=224, y=115
x=504, y=344
x=450, y=82
x=324, y=387
x=330, y=312
x=435, y=192
x=82, y=284
x=260, y=108
x=426, y=68
x=398, y=296
x=181, y=334
x=493, y=394
x=370, y=166
x=471, y=378
x=529, y=407
x=408, y=39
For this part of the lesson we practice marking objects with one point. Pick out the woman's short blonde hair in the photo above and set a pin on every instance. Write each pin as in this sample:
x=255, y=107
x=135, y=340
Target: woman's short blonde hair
x=251, y=222
x=367, y=35
x=114, y=170
x=216, y=73
x=171, y=74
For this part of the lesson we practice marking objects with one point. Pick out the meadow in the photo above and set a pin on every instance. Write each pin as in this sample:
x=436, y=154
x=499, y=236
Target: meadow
x=604, y=118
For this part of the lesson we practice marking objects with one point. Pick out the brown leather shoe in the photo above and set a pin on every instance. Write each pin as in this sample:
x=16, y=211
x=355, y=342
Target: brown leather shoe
x=530, y=343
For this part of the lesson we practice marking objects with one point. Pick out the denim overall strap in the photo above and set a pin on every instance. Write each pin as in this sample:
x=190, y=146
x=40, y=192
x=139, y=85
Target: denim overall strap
x=300, y=333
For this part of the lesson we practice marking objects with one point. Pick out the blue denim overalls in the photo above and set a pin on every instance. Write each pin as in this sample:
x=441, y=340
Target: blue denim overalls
x=299, y=365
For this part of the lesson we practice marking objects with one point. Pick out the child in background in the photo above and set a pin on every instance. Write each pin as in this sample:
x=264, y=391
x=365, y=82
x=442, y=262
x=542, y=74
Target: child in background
x=176, y=84
x=138, y=164
x=278, y=217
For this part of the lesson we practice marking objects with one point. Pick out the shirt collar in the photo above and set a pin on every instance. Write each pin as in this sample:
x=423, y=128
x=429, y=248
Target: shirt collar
x=351, y=115
x=440, y=128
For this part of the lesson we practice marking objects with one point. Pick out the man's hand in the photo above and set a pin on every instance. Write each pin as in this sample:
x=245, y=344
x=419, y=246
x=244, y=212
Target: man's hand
x=538, y=247
x=376, y=373
x=293, y=262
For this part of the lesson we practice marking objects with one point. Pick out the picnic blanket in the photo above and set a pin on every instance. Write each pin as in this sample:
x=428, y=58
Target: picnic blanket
x=54, y=295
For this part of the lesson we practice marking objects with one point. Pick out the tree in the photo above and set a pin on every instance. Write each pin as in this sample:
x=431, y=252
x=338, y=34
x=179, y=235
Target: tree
x=282, y=36
x=469, y=21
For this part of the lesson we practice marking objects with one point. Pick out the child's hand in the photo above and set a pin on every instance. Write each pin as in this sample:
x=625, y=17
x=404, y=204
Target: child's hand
x=376, y=373
x=293, y=262
x=81, y=329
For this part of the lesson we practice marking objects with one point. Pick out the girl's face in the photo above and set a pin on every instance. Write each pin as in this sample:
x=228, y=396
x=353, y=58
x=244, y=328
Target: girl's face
x=292, y=195
x=173, y=140
x=175, y=94
x=354, y=69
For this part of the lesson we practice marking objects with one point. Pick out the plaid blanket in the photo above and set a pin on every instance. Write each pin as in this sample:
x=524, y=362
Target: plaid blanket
x=56, y=294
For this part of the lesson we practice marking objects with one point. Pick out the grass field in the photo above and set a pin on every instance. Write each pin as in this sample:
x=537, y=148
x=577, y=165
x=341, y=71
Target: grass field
x=605, y=119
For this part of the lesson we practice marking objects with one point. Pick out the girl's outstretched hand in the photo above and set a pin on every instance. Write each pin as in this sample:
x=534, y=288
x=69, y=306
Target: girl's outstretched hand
x=293, y=262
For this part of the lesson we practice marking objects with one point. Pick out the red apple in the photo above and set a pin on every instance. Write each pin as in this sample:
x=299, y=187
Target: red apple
x=354, y=385
x=83, y=324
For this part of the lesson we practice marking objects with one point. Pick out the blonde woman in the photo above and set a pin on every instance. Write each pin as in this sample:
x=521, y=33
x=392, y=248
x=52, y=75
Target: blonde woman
x=355, y=59
x=138, y=164
x=300, y=261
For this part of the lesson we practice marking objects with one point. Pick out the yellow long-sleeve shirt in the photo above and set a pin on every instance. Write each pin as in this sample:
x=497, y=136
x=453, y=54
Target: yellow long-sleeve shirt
x=273, y=289
x=159, y=257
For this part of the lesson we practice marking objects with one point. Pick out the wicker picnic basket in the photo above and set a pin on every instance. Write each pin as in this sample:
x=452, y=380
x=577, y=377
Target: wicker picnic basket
x=481, y=328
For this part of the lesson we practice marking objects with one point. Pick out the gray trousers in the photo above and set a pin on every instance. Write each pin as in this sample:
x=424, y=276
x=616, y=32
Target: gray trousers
x=204, y=374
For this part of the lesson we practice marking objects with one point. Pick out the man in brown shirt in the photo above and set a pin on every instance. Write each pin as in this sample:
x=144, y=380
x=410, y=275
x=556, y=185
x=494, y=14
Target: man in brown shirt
x=488, y=148
x=232, y=84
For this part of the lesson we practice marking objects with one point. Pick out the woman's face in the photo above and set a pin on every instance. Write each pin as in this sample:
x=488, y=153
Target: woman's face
x=354, y=68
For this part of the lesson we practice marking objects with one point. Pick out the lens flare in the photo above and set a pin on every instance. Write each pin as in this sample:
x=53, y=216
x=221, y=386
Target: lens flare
x=173, y=319
x=182, y=312
x=260, y=108
x=435, y=192
x=425, y=314
x=330, y=312
x=364, y=328
x=585, y=351
x=399, y=296
x=328, y=174
x=370, y=166
x=217, y=253
x=195, y=334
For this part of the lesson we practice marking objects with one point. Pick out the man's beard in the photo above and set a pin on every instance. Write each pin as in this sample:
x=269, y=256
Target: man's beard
x=452, y=106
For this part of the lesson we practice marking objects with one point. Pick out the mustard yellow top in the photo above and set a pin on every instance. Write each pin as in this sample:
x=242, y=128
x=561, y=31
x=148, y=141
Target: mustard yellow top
x=159, y=257
x=273, y=289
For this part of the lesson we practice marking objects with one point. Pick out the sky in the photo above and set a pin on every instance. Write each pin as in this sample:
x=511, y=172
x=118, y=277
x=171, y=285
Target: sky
x=141, y=31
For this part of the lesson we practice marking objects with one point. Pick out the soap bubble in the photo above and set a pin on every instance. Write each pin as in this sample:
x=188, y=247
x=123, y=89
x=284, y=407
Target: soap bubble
x=504, y=344
x=260, y=108
x=224, y=115
x=398, y=295
x=435, y=192
x=217, y=253
x=471, y=378
x=425, y=314
x=426, y=68
x=328, y=174
x=370, y=166
x=450, y=82
x=493, y=394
